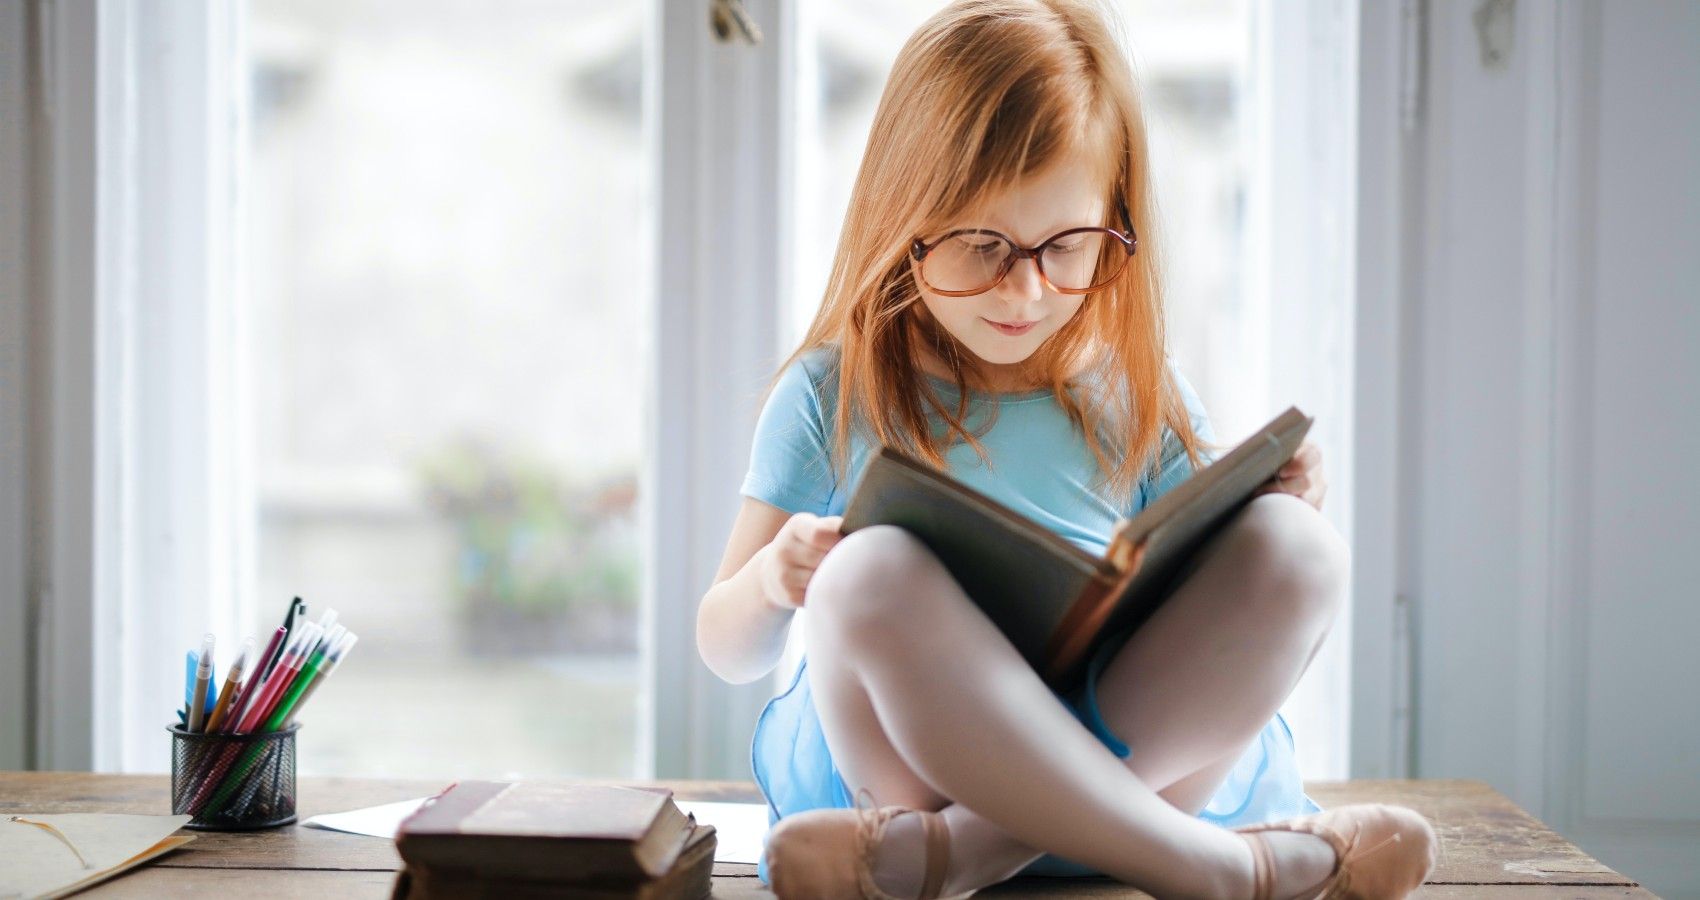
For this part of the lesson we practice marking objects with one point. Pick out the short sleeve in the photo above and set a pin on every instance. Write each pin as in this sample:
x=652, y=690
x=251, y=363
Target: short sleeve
x=789, y=463
x=1174, y=466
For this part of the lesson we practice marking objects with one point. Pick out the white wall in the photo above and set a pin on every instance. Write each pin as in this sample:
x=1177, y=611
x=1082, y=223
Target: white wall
x=1550, y=509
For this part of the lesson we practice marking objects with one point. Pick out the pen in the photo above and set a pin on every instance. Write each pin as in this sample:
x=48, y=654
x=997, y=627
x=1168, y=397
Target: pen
x=191, y=664
x=232, y=681
x=289, y=664
x=295, y=606
x=255, y=678
x=203, y=675
x=260, y=711
x=329, y=641
x=338, y=651
x=240, y=711
x=297, y=691
x=262, y=697
x=284, y=709
x=286, y=703
x=329, y=632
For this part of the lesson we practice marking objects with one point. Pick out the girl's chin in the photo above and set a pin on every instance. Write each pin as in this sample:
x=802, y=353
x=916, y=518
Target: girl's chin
x=1002, y=354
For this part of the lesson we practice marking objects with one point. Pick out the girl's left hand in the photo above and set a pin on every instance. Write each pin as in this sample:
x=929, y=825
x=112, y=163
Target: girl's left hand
x=1301, y=477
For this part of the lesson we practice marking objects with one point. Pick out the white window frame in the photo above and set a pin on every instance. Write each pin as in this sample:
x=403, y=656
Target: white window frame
x=1299, y=298
x=131, y=468
x=1330, y=269
x=124, y=305
x=723, y=121
x=1387, y=61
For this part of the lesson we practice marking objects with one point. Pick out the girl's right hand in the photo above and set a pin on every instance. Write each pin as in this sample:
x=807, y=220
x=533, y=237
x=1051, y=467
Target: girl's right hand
x=794, y=553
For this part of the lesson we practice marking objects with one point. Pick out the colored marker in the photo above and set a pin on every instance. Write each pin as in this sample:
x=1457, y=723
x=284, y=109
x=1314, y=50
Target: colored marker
x=203, y=676
x=246, y=693
x=232, y=683
x=330, y=665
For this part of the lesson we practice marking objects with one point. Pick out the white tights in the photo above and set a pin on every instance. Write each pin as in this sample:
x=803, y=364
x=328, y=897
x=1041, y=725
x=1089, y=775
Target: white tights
x=903, y=666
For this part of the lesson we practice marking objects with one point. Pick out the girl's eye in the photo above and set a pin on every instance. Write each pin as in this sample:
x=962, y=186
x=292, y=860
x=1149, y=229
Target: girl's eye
x=985, y=248
x=1066, y=247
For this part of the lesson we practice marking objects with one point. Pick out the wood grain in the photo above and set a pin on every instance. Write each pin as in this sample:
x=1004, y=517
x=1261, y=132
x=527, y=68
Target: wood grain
x=1489, y=847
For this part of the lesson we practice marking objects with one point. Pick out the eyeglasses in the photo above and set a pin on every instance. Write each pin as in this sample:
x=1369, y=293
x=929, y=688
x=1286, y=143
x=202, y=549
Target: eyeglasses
x=971, y=261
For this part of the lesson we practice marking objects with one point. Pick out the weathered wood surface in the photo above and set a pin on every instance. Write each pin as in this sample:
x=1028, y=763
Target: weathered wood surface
x=1489, y=847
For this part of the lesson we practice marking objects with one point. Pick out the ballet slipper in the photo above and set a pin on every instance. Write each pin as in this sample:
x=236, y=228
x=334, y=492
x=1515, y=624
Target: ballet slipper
x=828, y=854
x=1382, y=852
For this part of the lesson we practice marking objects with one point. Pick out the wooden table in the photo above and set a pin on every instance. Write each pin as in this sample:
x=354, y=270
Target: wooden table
x=1489, y=847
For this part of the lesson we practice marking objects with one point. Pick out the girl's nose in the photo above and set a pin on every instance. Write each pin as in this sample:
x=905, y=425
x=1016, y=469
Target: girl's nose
x=1022, y=283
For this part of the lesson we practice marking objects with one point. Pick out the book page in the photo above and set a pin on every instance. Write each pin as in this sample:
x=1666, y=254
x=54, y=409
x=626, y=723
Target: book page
x=77, y=849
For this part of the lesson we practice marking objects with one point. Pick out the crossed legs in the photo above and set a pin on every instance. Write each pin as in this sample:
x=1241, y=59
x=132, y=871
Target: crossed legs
x=925, y=703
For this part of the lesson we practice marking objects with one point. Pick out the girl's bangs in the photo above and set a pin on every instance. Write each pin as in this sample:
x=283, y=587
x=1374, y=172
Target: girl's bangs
x=1007, y=157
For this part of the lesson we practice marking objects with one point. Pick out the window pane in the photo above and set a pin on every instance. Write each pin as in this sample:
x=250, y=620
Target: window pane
x=446, y=281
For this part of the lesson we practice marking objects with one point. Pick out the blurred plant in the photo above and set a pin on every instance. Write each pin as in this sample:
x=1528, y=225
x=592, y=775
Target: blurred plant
x=530, y=540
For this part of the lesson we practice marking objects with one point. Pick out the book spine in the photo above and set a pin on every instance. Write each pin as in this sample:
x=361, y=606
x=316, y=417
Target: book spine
x=1080, y=627
x=1119, y=554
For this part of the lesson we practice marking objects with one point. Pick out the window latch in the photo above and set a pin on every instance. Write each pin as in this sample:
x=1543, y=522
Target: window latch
x=727, y=17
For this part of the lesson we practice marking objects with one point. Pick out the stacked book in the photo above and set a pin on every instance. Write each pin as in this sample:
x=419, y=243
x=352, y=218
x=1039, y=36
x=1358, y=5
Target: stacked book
x=557, y=840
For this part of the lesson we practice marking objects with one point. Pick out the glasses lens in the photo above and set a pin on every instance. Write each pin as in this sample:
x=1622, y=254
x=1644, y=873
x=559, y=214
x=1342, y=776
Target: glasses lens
x=965, y=262
x=1072, y=262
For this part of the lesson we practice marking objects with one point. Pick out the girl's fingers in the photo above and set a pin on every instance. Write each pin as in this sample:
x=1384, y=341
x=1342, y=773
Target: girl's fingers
x=825, y=532
x=795, y=581
x=1296, y=485
x=1305, y=459
x=806, y=555
x=1306, y=485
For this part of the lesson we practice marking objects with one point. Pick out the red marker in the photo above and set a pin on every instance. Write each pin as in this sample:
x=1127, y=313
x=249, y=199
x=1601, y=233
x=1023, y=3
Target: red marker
x=284, y=672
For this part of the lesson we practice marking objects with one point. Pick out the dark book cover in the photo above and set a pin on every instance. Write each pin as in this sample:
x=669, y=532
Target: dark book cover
x=690, y=878
x=1054, y=600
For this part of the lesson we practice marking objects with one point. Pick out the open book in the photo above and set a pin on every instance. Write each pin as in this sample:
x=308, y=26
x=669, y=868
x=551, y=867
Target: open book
x=1054, y=600
x=47, y=855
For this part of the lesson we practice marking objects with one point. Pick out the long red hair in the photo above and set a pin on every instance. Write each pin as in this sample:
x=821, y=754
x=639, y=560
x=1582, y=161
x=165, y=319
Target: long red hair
x=983, y=93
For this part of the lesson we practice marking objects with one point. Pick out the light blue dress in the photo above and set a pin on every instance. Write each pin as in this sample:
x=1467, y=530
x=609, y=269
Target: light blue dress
x=1042, y=468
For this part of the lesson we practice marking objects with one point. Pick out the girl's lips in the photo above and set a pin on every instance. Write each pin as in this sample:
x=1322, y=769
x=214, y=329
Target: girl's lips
x=1021, y=328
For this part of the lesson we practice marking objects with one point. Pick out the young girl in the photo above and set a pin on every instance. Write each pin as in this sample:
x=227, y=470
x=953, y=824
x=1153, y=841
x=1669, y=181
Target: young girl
x=994, y=308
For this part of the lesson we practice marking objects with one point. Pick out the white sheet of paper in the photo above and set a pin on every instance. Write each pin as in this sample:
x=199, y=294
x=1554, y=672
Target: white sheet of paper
x=377, y=821
x=739, y=828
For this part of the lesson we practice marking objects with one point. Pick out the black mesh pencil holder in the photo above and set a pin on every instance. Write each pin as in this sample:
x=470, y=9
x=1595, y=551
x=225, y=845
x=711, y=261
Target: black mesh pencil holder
x=233, y=782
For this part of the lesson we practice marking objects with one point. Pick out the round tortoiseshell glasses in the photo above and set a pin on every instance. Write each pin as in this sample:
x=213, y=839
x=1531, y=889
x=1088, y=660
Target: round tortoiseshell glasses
x=971, y=261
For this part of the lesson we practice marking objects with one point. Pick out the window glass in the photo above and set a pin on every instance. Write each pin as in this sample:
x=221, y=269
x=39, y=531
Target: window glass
x=446, y=276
